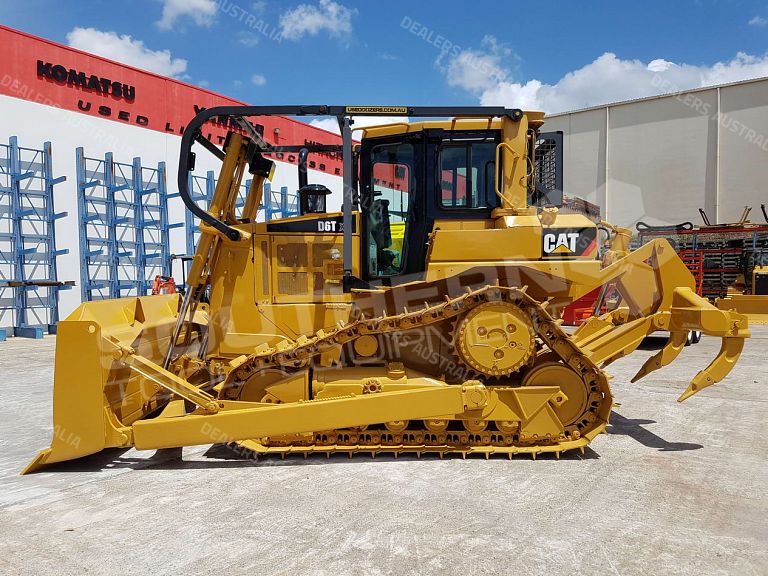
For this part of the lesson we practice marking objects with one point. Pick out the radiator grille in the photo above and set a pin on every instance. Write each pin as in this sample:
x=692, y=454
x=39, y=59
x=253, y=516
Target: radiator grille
x=322, y=252
x=292, y=255
x=292, y=283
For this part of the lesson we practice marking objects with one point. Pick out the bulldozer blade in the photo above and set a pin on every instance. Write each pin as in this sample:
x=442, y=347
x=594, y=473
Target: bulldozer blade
x=97, y=396
x=726, y=359
x=665, y=356
x=78, y=409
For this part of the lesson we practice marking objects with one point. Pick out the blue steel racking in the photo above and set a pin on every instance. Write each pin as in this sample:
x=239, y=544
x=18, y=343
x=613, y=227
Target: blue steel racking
x=124, y=240
x=153, y=248
x=29, y=285
x=279, y=204
x=201, y=189
x=7, y=256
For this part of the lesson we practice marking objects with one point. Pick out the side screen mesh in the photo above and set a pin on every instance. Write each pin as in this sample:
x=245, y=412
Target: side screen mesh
x=549, y=170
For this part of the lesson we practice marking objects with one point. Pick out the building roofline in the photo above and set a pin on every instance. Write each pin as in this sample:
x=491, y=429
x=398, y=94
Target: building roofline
x=657, y=97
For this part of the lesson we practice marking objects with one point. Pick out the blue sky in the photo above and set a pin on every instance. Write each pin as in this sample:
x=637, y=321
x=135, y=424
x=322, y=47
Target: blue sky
x=553, y=56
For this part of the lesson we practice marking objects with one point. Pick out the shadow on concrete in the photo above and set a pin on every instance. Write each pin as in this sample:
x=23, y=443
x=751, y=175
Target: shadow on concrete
x=634, y=429
x=653, y=343
x=228, y=453
x=223, y=456
x=112, y=459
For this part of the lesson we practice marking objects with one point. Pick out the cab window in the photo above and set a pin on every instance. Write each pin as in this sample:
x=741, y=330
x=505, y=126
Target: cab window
x=467, y=175
x=388, y=216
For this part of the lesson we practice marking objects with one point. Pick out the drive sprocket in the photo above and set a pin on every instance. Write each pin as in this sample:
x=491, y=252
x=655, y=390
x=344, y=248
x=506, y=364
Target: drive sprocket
x=495, y=338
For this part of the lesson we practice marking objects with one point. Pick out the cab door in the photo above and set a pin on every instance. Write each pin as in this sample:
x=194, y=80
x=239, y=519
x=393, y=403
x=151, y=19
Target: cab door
x=394, y=226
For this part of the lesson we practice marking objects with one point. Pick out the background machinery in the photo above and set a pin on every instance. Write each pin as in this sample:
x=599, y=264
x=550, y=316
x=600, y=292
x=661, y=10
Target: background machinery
x=751, y=300
x=728, y=260
x=423, y=317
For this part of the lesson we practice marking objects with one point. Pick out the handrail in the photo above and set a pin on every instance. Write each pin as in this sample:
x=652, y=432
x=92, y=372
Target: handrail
x=186, y=160
x=193, y=134
x=498, y=191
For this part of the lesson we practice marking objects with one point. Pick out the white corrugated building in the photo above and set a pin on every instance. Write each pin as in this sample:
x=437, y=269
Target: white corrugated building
x=660, y=159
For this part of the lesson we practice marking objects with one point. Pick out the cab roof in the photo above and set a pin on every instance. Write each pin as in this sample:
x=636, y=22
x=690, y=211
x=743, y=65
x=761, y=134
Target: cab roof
x=535, y=120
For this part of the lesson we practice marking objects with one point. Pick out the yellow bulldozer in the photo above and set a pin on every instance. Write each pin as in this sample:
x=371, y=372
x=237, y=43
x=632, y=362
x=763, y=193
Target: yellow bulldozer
x=753, y=301
x=423, y=317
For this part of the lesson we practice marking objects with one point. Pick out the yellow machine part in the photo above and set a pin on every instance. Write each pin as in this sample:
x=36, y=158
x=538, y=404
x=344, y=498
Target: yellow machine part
x=755, y=308
x=100, y=385
x=398, y=236
x=103, y=398
x=469, y=359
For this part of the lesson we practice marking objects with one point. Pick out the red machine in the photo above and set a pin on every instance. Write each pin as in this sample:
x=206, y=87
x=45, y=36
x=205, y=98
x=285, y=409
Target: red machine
x=163, y=285
x=582, y=309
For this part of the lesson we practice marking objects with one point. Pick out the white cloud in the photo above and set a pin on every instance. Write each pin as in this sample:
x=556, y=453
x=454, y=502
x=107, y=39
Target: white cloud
x=127, y=50
x=660, y=65
x=258, y=80
x=248, y=39
x=202, y=12
x=478, y=70
x=310, y=19
x=759, y=21
x=328, y=124
x=387, y=56
x=606, y=79
x=331, y=125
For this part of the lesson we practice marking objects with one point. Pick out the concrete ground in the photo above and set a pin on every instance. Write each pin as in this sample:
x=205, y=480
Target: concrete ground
x=672, y=489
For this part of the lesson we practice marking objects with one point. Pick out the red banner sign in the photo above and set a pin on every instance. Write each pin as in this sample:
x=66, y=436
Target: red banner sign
x=41, y=71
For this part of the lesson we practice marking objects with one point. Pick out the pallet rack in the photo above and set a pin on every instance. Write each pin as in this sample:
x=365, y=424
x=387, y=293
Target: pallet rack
x=201, y=189
x=153, y=248
x=725, y=252
x=124, y=228
x=279, y=204
x=29, y=284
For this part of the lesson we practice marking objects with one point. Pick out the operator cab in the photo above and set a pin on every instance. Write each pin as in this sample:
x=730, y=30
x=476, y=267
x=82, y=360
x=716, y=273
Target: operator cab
x=409, y=180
